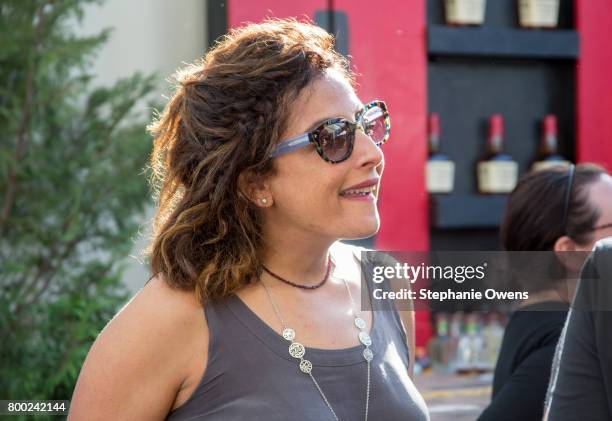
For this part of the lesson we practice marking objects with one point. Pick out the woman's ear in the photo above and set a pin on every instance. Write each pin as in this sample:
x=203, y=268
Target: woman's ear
x=565, y=250
x=255, y=188
x=564, y=243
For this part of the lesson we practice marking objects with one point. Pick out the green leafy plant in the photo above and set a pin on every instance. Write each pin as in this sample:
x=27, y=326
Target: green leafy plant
x=72, y=195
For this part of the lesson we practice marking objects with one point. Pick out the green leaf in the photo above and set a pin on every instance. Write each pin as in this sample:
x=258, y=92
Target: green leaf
x=79, y=188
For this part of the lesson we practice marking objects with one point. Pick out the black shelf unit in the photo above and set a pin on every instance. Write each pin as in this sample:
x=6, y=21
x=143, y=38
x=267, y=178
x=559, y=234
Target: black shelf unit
x=474, y=72
x=466, y=211
x=502, y=42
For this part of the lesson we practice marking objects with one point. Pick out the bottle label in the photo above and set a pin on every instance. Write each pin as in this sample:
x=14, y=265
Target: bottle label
x=539, y=13
x=543, y=165
x=497, y=176
x=470, y=12
x=440, y=176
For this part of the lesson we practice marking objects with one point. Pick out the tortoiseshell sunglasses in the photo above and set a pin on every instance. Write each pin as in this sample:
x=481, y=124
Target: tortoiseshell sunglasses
x=334, y=139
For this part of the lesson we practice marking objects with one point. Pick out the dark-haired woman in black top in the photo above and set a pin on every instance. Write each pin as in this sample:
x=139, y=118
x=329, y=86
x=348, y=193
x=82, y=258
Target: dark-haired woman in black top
x=561, y=209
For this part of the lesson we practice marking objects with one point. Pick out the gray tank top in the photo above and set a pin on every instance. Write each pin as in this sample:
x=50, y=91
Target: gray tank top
x=251, y=376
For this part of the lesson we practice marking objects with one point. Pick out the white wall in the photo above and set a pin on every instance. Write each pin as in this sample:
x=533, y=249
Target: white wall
x=151, y=36
x=148, y=36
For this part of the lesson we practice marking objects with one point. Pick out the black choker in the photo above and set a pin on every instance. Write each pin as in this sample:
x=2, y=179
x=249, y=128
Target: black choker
x=293, y=284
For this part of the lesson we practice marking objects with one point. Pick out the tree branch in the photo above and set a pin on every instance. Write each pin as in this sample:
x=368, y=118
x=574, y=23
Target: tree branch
x=22, y=133
x=47, y=267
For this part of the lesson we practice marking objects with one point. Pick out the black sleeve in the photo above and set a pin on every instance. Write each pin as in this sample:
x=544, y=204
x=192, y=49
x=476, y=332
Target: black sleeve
x=582, y=377
x=522, y=396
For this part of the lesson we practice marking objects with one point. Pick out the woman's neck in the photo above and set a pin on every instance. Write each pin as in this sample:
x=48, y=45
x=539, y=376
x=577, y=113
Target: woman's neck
x=546, y=295
x=298, y=259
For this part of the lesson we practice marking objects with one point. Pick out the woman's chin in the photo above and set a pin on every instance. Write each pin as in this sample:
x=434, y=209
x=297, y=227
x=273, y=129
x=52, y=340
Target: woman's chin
x=365, y=230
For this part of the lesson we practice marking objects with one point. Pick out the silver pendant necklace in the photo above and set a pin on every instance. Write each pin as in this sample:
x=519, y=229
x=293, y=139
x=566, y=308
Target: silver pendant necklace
x=298, y=351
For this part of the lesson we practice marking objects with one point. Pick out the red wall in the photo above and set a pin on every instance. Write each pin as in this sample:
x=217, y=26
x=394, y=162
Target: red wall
x=242, y=11
x=594, y=82
x=387, y=44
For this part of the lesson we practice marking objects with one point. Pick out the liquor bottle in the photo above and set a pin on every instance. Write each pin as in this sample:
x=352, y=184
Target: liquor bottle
x=422, y=361
x=497, y=172
x=438, y=347
x=456, y=330
x=465, y=353
x=479, y=364
x=465, y=12
x=548, y=155
x=470, y=351
x=538, y=13
x=440, y=170
x=493, y=334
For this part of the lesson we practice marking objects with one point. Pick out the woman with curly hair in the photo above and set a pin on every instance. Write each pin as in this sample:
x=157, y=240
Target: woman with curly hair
x=264, y=159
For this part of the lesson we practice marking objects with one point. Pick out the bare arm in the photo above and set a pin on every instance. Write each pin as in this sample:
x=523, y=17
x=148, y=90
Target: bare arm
x=138, y=363
x=407, y=319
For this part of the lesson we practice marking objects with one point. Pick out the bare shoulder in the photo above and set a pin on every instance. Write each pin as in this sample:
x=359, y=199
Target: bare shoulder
x=142, y=358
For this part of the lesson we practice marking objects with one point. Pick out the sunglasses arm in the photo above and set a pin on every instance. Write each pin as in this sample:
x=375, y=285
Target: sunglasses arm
x=292, y=144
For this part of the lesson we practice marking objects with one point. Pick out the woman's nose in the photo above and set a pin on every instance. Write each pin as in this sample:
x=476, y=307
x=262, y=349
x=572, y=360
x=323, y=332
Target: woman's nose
x=366, y=150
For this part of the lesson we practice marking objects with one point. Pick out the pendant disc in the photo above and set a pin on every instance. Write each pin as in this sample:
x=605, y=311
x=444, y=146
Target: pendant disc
x=306, y=366
x=289, y=334
x=365, y=338
x=360, y=323
x=296, y=350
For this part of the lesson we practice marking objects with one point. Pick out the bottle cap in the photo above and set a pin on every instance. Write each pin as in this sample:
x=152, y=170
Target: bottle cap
x=496, y=125
x=434, y=123
x=550, y=125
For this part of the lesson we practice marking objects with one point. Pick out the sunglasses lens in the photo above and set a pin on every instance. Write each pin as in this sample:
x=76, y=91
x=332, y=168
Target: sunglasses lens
x=375, y=125
x=335, y=140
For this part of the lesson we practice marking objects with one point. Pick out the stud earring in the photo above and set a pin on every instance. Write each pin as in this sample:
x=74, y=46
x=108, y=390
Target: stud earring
x=263, y=200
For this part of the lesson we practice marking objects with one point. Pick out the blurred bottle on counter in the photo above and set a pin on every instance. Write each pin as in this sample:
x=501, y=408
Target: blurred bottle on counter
x=454, y=337
x=493, y=334
x=422, y=361
x=548, y=155
x=440, y=170
x=455, y=333
x=465, y=344
x=497, y=172
x=463, y=361
x=471, y=355
x=438, y=347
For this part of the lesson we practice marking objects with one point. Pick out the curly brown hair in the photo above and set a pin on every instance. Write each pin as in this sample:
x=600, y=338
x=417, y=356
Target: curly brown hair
x=226, y=115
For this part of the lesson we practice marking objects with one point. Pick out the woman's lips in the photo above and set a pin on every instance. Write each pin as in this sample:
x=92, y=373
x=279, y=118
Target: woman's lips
x=369, y=197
